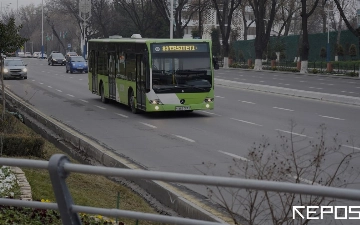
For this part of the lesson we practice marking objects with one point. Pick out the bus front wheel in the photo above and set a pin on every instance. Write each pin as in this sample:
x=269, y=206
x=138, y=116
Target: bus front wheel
x=102, y=94
x=132, y=103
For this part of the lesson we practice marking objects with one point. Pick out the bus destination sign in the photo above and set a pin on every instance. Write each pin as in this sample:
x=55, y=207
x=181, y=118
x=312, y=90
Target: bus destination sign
x=179, y=47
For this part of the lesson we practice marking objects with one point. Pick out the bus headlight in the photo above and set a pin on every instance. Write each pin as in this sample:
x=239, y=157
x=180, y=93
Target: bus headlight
x=156, y=107
x=207, y=105
x=6, y=70
x=209, y=100
x=24, y=70
x=155, y=102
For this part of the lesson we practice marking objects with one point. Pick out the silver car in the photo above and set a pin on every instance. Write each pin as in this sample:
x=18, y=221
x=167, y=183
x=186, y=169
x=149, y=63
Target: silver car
x=14, y=68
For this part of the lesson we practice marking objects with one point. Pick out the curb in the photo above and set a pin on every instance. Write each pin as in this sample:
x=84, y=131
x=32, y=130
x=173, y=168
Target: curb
x=290, y=92
x=297, y=73
x=24, y=185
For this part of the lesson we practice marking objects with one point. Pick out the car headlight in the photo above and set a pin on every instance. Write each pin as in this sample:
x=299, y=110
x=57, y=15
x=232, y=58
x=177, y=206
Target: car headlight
x=6, y=70
x=209, y=100
x=53, y=59
x=155, y=102
x=73, y=64
x=24, y=70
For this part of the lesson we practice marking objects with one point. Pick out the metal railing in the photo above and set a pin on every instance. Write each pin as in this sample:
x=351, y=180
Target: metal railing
x=59, y=168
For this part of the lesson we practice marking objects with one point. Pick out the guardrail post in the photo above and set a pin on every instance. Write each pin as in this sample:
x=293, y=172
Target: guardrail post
x=61, y=191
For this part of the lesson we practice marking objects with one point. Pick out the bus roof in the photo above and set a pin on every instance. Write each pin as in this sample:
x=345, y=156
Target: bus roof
x=148, y=40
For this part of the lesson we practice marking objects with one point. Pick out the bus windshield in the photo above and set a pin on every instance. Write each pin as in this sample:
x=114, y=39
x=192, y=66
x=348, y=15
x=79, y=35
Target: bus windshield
x=186, y=70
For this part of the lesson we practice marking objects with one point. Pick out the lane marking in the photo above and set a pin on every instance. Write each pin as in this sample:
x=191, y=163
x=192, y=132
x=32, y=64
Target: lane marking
x=320, y=79
x=236, y=78
x=350, y=92
x=357, y=87
x=284, y=84
x=326, y=84
x=247, y=122
x=303, y=81
x=352, y=82
x=83, y=100
x=315, y=88
x=284, y=109
x=289, y=132
x=261, y=81
x=234, y=156
x=274, y=78
x=99, y=107
x=122, y=115
x=219, y=97
x=59, y=90
x=335, y=118
x=209, y=113
x=247, y=102
x=184, y=138
x=303, y=180
x=149, y=125
x=80, y=79
x=32, y=80
x=41, y=83
x=70, y=95
x=49, y=87
x=352, y=147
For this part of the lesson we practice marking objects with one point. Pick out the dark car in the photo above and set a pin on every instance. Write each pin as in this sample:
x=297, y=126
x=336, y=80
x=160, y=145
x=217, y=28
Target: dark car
x=14, y=68
x=56, y=59
x=76, y=63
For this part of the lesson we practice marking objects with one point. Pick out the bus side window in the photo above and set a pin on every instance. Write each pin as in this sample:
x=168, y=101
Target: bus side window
x=130, y=66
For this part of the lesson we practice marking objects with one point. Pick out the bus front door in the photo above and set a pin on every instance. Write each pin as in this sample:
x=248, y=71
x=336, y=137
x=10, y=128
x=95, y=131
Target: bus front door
x=112, y=75
x=140, y=82
x=93, y=70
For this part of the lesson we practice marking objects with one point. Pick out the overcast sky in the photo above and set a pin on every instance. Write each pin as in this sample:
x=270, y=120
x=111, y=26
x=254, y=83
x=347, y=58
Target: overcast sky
x=14, y=3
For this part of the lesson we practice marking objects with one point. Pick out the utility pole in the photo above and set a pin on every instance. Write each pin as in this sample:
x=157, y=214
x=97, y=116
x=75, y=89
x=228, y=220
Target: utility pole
x=84, y=14
x=200, y=33
x=171, y=19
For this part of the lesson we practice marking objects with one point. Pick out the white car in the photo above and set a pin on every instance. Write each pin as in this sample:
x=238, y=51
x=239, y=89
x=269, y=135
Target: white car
x=42, y=57
x=21, y=54
x=28, y=55
x=35, y=54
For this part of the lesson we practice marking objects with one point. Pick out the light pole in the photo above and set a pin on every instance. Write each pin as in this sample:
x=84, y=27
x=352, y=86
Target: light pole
x=171, y=18
x=42, y=29
x=328, y=36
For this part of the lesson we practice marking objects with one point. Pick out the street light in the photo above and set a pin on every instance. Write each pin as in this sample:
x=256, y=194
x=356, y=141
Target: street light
x=328, y=38
x=42, y=29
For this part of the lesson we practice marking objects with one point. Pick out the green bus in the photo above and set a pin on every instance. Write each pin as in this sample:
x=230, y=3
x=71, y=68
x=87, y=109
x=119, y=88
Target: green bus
x=152, y=75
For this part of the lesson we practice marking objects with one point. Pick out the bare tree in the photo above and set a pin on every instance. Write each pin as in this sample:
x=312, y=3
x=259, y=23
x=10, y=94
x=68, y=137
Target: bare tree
x=298, y=160
x=264, y=18
x=247, y=18
x=224, y=11
x=305, y=14
x=287, y=12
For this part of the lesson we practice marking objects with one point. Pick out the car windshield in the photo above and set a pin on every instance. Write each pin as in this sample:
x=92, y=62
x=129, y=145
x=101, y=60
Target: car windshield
x=58, y=55
x=13, y=63
x=174, y=72
x=77, y=59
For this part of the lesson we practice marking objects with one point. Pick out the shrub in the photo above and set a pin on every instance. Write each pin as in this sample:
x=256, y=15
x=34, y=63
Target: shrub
x=352, y=50
x=315, y=71
x=22, y=145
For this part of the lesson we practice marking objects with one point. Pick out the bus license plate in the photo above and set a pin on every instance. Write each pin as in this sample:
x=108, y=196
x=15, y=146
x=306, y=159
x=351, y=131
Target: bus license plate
x=182, y=108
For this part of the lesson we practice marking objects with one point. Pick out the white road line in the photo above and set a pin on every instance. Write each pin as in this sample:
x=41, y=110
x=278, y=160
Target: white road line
x=70, y=95
x=304, y=180
x=184, y=138
x=350, y=92
x=234, y=156
x=297, y=77
x=351, y=82
x=99, y=107
x=302, y=81
x=41, y=83
x=357, y=87
x=209, y=113
x=219, y=97
x=247, y=102
x=247, y=122
x=236, y=78
x=80, y=79
x=59, y=90
x=320, y=79
x=352, y=147
x=122, y=115
x=243, y=79
x=289, y=132
x=261, y=81
x=274, y=78
x=32, y=80
x=149, y=125
x=284, y=109
x=315, y=88
x=276, y=75
x=71, y=77
x=83, y=100
x=335, y=118
x=49, y=87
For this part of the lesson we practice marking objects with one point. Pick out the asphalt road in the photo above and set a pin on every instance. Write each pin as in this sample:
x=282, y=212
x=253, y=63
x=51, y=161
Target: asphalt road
x=190, y=142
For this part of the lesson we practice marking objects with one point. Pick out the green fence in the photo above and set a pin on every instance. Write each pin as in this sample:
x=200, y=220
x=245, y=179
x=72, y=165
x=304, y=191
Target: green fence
x=243, y=50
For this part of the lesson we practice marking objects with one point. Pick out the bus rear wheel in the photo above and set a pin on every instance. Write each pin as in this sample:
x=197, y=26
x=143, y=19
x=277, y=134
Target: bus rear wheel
x=102, y=94
x=132, y=103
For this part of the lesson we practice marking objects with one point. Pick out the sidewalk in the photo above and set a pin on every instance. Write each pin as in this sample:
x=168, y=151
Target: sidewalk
x=291, y=92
